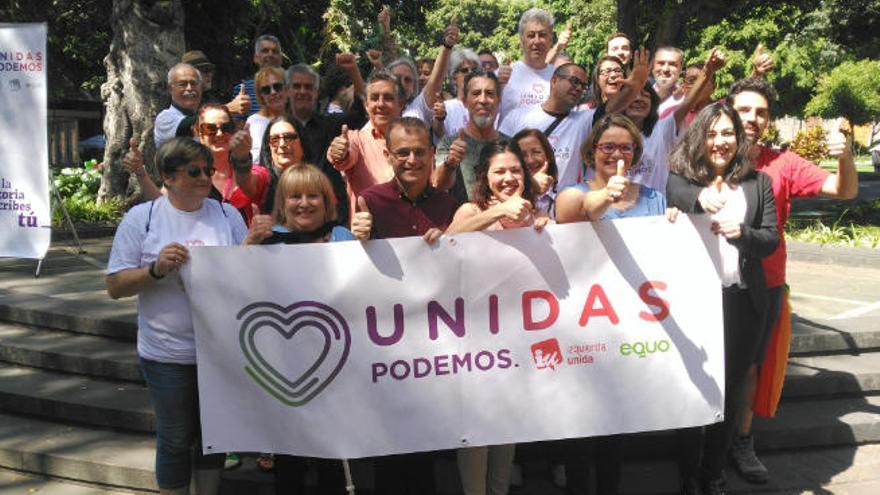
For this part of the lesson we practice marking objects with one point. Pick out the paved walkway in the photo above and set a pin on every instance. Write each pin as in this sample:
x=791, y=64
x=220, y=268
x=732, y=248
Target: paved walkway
x=836, y=286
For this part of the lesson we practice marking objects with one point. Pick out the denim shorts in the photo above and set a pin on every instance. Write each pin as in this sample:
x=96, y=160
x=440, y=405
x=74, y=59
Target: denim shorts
x=174, y=393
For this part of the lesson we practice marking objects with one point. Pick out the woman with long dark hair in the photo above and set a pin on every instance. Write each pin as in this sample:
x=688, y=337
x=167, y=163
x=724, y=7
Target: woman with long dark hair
x=710, y=170
x=540, y=161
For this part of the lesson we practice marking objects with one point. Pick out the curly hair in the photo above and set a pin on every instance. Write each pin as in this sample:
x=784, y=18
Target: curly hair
x=689, y=158
x=755, y=84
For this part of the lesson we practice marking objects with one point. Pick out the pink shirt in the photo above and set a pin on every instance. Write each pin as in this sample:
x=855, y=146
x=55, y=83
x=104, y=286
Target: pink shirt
x=366, y=164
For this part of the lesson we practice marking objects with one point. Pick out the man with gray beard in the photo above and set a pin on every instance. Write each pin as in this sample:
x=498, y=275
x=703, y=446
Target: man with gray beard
x=457, y=155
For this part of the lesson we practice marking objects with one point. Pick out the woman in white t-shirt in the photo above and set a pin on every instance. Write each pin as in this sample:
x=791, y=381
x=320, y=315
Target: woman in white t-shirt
x=272, y=95
x=151, y=244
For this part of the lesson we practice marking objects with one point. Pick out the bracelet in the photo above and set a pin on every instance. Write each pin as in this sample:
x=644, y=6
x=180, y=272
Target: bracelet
x=152, y=272
x=447, y=46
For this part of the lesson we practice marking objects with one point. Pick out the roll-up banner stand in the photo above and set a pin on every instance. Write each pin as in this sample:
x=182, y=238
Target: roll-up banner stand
x=25, y=215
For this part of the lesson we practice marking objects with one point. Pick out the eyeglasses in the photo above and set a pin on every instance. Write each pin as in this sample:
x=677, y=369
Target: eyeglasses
x=575, y=81
x=488, y=64
x=269, y=88
x=194, y=170
x=609, y=148
x=403, y=153
x=302, y=86
x=211, y=129
x=275, y=140
x=611, y=70
x=463, y=70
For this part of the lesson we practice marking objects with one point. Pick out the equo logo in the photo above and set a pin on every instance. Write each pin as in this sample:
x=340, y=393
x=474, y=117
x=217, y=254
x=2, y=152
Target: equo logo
x=301, y=321
x=642, y=349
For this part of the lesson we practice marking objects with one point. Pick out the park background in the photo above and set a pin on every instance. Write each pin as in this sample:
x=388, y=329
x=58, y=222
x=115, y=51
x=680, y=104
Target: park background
x=108, y=59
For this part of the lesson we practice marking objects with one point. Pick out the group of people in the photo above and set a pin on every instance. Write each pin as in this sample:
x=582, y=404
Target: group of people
x=521, y=145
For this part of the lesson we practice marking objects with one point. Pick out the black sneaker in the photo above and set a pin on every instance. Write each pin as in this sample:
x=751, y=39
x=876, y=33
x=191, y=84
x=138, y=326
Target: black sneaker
x=714, y=487
x=743, y=458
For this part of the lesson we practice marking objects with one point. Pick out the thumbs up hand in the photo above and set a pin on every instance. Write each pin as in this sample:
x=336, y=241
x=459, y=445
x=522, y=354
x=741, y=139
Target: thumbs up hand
x=241, y=104
x=840, y=138
x=134, y=159
x=542, y=180
x=339, y=147
x=617, y=184
x=504, y=71
x=451, y=34
x=241, y=143
x=362, y=221
x=762, y=62
x=261, y=227
x=457, y=150
x=711, y=198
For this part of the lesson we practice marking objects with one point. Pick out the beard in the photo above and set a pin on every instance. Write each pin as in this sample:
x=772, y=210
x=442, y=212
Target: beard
x=483, y=121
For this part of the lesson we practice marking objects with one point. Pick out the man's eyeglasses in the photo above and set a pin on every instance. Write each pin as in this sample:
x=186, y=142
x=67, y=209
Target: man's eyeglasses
x=194, y=170
x=611, y=70
x=269, y=88
x=609, y=148
x=575, y=81
x=403, y=153
x=211, y=129
x=275, y=140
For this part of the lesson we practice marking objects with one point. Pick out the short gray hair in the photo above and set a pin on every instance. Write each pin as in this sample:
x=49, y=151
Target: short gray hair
x=266, y=37
x=412, y=66
x=183, y=65
x=535, y=14
x=303, y=69
x=458, y=56
x=673, y=49
x=387, y=75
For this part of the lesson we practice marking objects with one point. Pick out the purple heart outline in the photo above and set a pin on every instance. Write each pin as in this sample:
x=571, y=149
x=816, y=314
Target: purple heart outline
x=288, y=321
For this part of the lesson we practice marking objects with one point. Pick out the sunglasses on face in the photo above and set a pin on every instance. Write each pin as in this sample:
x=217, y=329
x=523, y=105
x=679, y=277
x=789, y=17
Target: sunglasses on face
x=608, y=148
x=211, y=129
x=575, y=81
x=463, y=70
x=194, y=170
x=277, y=138
x=269, y=88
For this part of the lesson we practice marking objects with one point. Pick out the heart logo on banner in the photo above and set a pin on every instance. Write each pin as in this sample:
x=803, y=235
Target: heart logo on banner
x=289, y=322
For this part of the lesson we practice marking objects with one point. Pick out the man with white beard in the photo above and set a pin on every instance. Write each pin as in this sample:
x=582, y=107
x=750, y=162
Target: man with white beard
x=457, y=155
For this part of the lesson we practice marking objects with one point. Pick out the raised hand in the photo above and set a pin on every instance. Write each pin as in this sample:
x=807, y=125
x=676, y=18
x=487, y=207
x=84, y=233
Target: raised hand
x=375, y=57
x=565, y=36
x=762, y=62
x=710, y=198
x=439, y=108
x=715, y=61
x=542, y=180
x=641, y=63
x=241, y=104
x=261, y=227
x=840, y=138
x=241, y=143
x=515, y=208
x=384, y=19
x=362, y=221
x=505, y=70
x=339, y=146
x=451, y=34
x=346, y=61
x=457, y=150
x=133, y=160
x=617, y=184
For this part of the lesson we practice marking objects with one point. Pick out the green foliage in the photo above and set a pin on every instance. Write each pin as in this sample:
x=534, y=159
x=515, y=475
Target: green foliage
x=78, y=188
x=811, y=144
x=771, y=135
x=851, y=90
x=855, y=225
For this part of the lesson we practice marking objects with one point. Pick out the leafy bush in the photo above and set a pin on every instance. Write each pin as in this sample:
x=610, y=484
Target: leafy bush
x=811, y=144
x=78, y=187
x=771, y=135
x=851, y=90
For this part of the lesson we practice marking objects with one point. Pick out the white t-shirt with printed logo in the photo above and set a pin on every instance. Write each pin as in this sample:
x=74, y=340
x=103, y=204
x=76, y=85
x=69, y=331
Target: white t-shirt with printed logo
x=653, y=169
x=456, y=117
x=418, y=108
x=165, y=328
x=566, y=139
x=527, y=87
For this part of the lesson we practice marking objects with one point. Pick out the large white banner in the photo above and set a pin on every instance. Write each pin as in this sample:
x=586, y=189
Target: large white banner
x=25, y=221
x=357, y=349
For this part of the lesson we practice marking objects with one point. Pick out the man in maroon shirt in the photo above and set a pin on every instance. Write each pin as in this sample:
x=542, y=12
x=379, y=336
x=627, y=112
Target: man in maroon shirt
x=407, y=205
x=793, y=177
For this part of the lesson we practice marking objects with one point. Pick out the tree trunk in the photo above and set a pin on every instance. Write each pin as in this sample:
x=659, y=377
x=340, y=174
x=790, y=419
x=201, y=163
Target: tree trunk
x=626, y=20
x=147, y=40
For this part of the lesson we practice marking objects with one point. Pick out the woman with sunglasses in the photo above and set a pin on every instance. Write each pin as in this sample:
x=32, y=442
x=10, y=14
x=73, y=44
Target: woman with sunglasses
x=502, y=199
x=235, y=180
x=272, y=96
x=613, y=145
x=710, y=170
x=149, y=248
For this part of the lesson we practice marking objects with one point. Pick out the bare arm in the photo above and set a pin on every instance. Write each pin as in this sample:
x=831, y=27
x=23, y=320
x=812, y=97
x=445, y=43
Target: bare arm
x=564, y=38
x=133, y=281
x=432, y=87
x=704, y=80
x=845, y=183
x=631, y=86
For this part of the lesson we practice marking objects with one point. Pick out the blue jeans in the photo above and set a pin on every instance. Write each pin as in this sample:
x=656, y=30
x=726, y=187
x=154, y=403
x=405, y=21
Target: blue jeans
x=174, y=393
